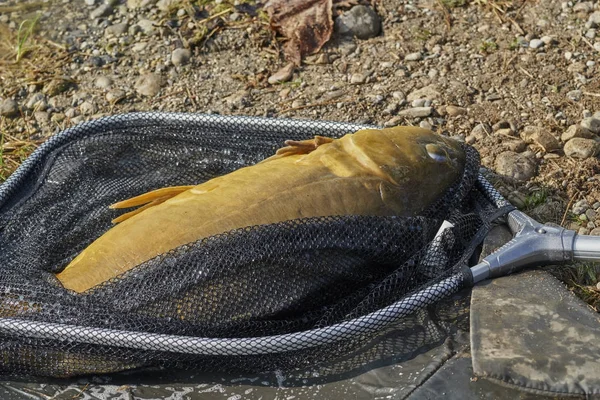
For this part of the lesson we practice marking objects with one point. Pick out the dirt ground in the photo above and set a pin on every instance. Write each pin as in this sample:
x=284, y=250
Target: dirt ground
x=507, y=76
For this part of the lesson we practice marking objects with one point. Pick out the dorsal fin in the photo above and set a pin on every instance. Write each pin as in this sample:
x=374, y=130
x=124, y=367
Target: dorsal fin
x=302, y=146
x=147, y=200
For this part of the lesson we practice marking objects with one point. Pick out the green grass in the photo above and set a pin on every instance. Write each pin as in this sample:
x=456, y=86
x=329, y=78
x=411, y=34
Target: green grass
x=454, y=3
x=488, y=46
x=536, y=198
x=24, y=33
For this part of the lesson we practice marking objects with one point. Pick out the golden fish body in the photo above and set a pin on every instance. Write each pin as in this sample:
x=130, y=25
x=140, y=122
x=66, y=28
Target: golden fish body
x=397, y=171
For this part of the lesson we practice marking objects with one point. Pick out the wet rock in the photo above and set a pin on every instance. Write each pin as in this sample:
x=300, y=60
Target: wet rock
x=430, y=92
x=361, y=21
x=103, y=82
x=455, y=111
x=516, y=166
x=574, y=131
x=581, y=148
x=180, y=56
x=538, y=135
x=283, y=75
x=148, y=84
x=9, y=108
x=592, y=124
x=102, y=11
x=481, y=131
x=416, y=112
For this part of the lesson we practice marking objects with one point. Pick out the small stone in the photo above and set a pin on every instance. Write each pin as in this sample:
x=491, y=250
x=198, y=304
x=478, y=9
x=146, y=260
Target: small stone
x=413, y=56
x=167, y=5
x=357, y=79
x=536, y=43
x=516, y=166
x=500, y=125
x=596, y=232
x=574, y=95
x=71, y=112
x=9, y=108
x=581, y=148
x=148, y=84
x=416, y=112
x=517, y=199
x=323, y=59
x=594, y=19
x=115, y=95
x=37, y=101
x=180, y=56
x=103, y=82
x=283, y=75
x=574, y=131
x=430, y=92
x=361, y=21
x=568, y=55
x=591, y=225
x=146, y=25
x=391, y=108
x=400, y=96
x=591, y=124
x=591, y=214
x=455, y=111
x=548, y=40
x=538, y=135
x=518, y=146
x=481, y=131
x=586, y=114
x=596, y=205
x=504, y=132
x=116, y=29
x=583, y=231
x=102, y=11
x=90, y=2
x=41, y=117
x=418, y=103
x=239, y=99
x=583, y=7
x=425, y=125
x=88, y=108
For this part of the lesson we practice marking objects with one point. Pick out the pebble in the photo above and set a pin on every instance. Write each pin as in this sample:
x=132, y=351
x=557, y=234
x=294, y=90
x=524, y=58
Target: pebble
x=583, y=231
x=585, y=7
x=283, y=75
x=166, y=5
x=103, y=82
x=596, y=232
x=239, y=99
x=413, y=56
x=357, y=79
x=360, y=21
x=115, y=95
x=596, y=205
x=538, y=135
x=536, y=43
x=591, y=214
x=518, y=146
x=516, y=166
x=102, y=11
x=37, y=101
x=146, y=25
x=41, y=117
x=88, y=108
x=481, y=131
x=180, y=56
x=418, y=103
x=416, y=112
x=90, y=2
x=9, y=108
x=591, y=124
x=116, y=29
x=430, y=92
x=574, y=131
x=455, y=111
x=548, y=40
x=501, y=125
x=148, y=84
x=581, y=148
x=594, y=19
x=574, y=95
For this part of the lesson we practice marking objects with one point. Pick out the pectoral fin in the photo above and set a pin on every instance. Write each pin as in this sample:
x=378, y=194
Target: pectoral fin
x=303, y=146
x=147, y=200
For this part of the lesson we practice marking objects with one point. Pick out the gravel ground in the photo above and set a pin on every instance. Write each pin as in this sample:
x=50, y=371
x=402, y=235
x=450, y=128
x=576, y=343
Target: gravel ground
x=516, y=79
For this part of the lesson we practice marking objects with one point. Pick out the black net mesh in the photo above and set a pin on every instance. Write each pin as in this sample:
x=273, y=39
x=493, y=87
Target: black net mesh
x=301, y=276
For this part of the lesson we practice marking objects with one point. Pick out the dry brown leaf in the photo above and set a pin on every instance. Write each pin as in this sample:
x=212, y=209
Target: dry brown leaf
x=307, y=24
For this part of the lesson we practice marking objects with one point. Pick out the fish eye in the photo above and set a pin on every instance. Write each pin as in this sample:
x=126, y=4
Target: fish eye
x=436, y=152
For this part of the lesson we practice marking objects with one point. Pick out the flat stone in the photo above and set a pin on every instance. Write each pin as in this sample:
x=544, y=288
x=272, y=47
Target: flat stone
x=102, y=11
x=283, y=75
x=103, y=82
x=416, y=112
x=574, y=131
x=455, y=111
x=116, y=29
x=357, y=78
x=148, y=84
x=180, y=56
x=115, y=95
x=481, y=131
x=413, y=56
x=430, y=92
x=147, y=26
x=9, y=108
x=592, y=124
x=581, y=148
x=360, y=21
x=516, y=166
x=536, y=43
x=538, y=135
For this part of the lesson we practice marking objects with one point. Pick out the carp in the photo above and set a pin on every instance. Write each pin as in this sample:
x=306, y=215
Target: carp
x=397, y=171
